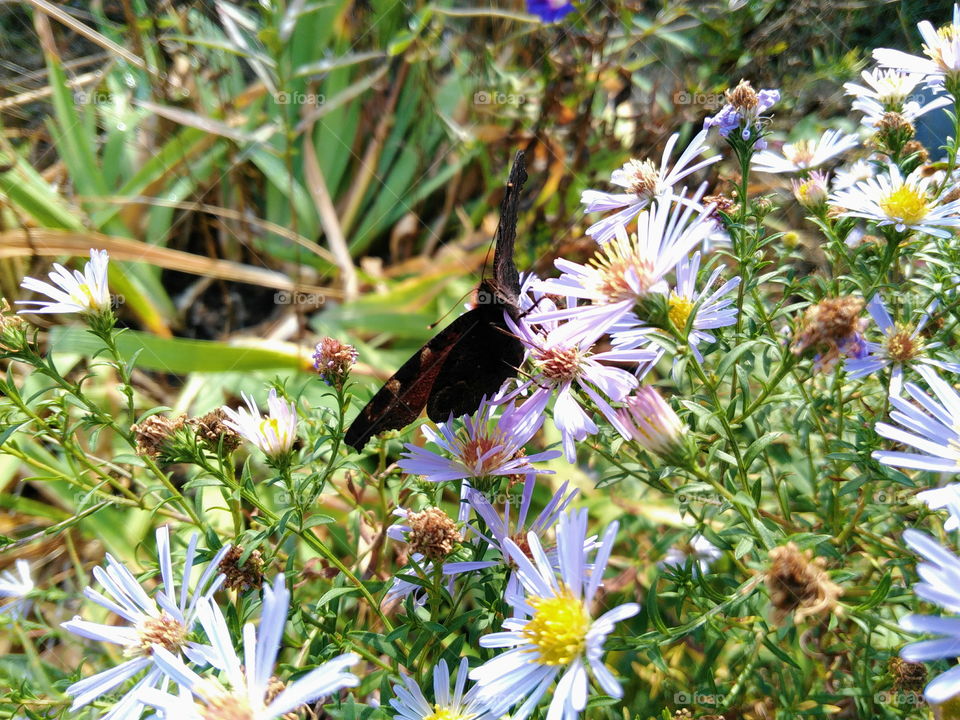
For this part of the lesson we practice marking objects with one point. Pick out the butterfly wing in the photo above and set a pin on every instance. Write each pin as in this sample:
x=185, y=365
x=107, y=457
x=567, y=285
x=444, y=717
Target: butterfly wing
x=401, y=399
x=485, y=357
x=505, y=274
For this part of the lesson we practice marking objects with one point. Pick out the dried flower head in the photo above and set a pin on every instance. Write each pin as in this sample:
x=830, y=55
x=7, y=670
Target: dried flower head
x=798, y=583
x=908, y=677
x=743, y=97
x=211, y=430
x=333, y=360
x=13, y=329
x=245, y=576
x=432, y=533
x=155, y=434
x=916, y=147
x=833, y=327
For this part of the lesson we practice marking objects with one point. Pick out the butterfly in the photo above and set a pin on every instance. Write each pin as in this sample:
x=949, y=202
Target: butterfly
x=470, y=358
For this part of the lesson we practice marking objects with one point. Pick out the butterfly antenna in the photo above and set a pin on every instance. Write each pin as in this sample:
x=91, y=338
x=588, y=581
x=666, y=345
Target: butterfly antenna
x=463, y=297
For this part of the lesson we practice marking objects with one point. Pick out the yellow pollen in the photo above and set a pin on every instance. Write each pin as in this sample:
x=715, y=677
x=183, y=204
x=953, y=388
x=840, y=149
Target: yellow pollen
x=679, y=309
x=617, y=263
x=905, y=204
x=226, y=707
x=948, y=34
x=800, y=153
x=901, y=346
x=558, y=628
x=441, y=713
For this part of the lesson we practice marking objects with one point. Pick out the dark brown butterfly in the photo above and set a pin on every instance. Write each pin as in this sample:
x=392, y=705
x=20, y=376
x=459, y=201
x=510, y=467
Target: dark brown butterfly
x=469, y=358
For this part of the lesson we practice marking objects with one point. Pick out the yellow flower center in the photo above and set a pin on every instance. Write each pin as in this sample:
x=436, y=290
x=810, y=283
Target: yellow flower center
x=901, y=346
x=905, y=204
x=558, y=628
x=948, y=35
x=799, y=153
x=679, y=309
x=442, y=713
x=226, y=707
x=622, y=272
x=83, y=295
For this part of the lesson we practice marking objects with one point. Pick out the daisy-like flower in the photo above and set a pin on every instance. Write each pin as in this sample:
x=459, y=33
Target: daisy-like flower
x=744, y=110
x=251, y=692
x=904, y=202
x=941, y=47
x=700, y=551
x=165, y=621
x=77, y=292
x=554, y=633
x=479, y=447
x=644, y=182
x=804, y=155
x=946, y=497
x=940, y=576
x=812, y=192
x=16, y=587
x=930, y=425
x=875, y=117
x=850, y=175
x=500, y=528
x=692, y=313
x=274, y=434
x=627, y=270
x=902, y=346
x=410, y=704
x=890, y=89
x=563, y=359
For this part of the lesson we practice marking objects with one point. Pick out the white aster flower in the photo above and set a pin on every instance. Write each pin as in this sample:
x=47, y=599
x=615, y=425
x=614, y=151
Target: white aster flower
x=165, y=620
x=804, y=155
x=626, y=270
x=874, y=113
x=77, y=292
x=905, y=203
x=942, y=50
x=250, y=692
x=554, y=635
x=901, y=347
x=411, y=704
x=700, y=551
x=940, y=576
x=931, y=426
x=274, y=434
x=889, y=88
x=849, y=175
x=17, y=587
x=645, y=183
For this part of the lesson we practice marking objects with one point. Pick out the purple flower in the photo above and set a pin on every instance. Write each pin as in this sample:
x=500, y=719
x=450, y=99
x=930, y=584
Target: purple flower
x=940, y=576
x=930, y=426
x=549, y=10
x=501, y=528
x=744, y=109
x=902, y=346
x=479, y=447
x=563, y=359
x=645, y=183
x=700, y=311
